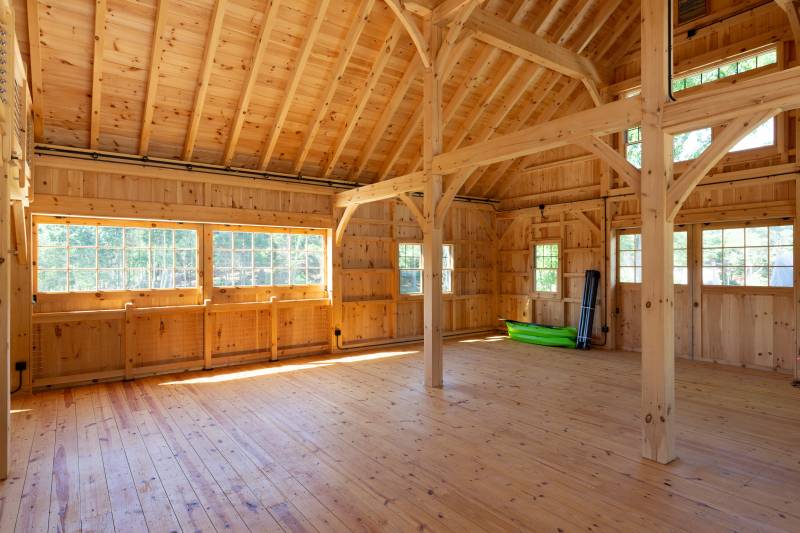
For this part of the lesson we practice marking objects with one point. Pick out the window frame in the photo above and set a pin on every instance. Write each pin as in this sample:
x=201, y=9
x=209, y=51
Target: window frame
x=209, y=244
x=780, y=122
x=421, y=269
x=113, y=222
x=545, y=295
x=735, y=225
x=452, y=268
x=638, y=231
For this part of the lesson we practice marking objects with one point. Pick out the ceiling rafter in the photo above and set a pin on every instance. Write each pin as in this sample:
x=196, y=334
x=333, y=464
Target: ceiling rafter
x=35, y=55
x=156, y=56
x=338, y=73
x=586, y=40
x=271, y=140
x=530, y=76
x=212, y=40
x=100, y=11
x=375, y=73
x=268, y=23
x=406, y=19
x=485, y=59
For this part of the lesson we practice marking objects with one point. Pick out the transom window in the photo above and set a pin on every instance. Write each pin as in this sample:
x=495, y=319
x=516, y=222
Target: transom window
x=76, y=257
x=545, y=268
x=411, y=268
x=689, y=145
x=262, y=259
x=754, y=257
x=630, y=258
x=770, y=57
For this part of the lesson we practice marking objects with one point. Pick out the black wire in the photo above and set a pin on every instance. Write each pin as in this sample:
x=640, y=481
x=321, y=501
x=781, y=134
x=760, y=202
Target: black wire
x=20, y=383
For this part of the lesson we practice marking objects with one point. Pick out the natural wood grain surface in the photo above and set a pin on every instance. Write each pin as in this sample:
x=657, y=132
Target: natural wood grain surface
x=520, y=438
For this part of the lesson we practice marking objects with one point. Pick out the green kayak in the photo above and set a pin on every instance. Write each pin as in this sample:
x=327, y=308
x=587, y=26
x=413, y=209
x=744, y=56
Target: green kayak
x=541, y=334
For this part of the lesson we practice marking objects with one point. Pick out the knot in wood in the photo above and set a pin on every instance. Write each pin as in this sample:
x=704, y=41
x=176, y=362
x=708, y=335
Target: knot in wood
x=648, y=418
x=648, y=305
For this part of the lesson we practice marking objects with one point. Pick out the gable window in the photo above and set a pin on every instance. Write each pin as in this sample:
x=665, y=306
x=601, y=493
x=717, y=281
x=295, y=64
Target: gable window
x=630, y=258
x=689, y=145
x=748, y=257
x=411, y=266
x=546, y=268
x=92, y=257
x=262, y=259
x=769, y=57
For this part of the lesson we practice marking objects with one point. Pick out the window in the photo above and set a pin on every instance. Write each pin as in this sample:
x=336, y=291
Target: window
x=689, y=145
x=411, y=268
x=764, y=135
x=545, y=268
x=76, y=257
x=754, y=257
x=770, y=57
x=680, y=258
x=410, y=259
x=630, y=258
x=447, y=268
x=259, y=259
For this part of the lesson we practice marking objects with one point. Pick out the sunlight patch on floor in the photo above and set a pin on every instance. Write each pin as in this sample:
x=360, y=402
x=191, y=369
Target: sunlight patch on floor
x=282, y=369
x=493, y=338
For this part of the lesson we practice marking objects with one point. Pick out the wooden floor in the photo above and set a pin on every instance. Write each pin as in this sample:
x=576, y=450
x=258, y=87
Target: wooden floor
x=520, y=438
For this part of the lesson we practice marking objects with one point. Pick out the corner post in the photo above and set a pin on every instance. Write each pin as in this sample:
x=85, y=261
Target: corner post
x=432, y=232
x=658, y=335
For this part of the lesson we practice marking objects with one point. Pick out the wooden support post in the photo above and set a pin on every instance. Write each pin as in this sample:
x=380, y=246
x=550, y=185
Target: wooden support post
x=432, y=237
x=611, y=277
x=796, y=289
x=208, y=334
x=334, y=269
x=5, y=321
x=696, y=279
x=658, y=335
x=127, y=341
x=273, y=329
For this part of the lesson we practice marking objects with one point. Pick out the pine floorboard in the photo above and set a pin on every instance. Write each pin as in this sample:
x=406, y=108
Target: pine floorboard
x=521, y=438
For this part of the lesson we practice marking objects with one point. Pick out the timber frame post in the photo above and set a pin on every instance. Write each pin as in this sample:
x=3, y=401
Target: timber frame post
x=432, y=232
x=658, y=335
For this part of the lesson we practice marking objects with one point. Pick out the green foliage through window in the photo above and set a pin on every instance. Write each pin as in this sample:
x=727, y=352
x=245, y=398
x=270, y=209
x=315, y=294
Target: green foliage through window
x=689, y=145
x=411, y=268
x=262, y=259
x=630, y=258
x=545, y=271
x=752, y=257
x=89, y=258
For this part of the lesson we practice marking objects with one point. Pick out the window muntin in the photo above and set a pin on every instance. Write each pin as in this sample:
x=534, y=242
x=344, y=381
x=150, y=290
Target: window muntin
x=630, y=258
x=411, y=267
x=750, y=257
x=90, y=258
x=264, y=259
x=545, y=268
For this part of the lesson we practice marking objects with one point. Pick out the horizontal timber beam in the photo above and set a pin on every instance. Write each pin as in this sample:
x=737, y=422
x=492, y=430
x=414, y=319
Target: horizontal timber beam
x=46, y=204
x=599, y=121
x=382, y=190
x=780, y=90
